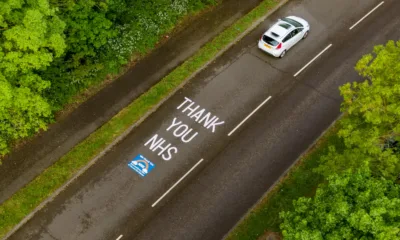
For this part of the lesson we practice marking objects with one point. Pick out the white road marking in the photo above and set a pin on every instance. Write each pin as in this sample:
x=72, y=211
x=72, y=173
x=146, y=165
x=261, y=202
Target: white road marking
x=366, y=15
x=312, y=60
x=244, y=120
x=120, y=236
x=170, y=189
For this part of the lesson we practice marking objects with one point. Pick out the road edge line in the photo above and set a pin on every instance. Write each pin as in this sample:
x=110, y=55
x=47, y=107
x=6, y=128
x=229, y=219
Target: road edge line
x=139, y=121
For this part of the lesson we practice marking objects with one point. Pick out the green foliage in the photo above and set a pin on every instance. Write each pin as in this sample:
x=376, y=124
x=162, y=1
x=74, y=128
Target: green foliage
x=350, y=206
x=31, y=36
x=372, y=116
x=88, y=30
x=103, y=35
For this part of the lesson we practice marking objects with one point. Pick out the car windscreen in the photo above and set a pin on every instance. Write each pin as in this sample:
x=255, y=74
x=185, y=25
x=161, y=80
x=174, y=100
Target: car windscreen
x=270, y=40
x=293, y=22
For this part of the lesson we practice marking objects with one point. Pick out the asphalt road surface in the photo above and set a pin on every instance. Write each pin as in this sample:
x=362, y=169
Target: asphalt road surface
x=205, y=169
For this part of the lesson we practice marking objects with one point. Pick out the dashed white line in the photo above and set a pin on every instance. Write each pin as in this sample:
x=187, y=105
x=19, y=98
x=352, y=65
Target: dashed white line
x=366, y=15
x=173, y=186
x=120, y=236
x=312, y=60
x=244, y=120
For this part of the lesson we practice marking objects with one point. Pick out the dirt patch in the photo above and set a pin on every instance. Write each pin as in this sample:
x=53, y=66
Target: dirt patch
x=270, y=236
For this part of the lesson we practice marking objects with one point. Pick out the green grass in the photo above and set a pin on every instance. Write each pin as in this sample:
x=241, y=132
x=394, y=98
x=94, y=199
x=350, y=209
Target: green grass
x=300, y=181
x=28, y=198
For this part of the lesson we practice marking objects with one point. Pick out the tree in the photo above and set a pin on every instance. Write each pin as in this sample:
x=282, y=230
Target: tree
x=102, y=36
x=31, y=36
x=87, y=33
x=349, y=206
x=88, y=29
x=372, y=115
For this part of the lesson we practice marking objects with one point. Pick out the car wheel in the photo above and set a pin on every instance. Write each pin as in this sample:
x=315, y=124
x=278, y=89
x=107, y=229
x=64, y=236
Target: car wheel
x=305, y=35
x=283, y=54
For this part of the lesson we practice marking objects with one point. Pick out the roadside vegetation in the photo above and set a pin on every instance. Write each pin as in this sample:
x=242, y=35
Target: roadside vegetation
x=347, y=185
x=52, y=50
x=28, y=198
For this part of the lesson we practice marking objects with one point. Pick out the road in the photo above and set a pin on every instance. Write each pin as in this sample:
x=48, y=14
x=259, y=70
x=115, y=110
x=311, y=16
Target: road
x=223, y=175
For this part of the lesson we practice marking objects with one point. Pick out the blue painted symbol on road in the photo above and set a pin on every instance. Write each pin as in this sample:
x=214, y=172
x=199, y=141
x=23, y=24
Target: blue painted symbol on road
x=141, y=165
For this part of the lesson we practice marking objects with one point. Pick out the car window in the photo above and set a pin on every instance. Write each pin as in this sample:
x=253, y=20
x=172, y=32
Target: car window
x=293, y=22
x=297, y=31
x=284, y=25
x=274, y=34
x=289, y=36
x=270, y=40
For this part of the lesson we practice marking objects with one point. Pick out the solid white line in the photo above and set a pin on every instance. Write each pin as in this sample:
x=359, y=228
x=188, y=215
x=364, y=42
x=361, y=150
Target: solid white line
x=120, y=236
x=312, y=60
x=244, y=120
x=169, y=190
x=367, y=15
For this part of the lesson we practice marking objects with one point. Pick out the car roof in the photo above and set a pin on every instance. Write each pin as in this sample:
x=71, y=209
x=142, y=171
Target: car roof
x=279, y=30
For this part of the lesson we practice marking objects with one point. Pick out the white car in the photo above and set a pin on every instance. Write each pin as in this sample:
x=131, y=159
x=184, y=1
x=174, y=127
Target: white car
x=283, y=35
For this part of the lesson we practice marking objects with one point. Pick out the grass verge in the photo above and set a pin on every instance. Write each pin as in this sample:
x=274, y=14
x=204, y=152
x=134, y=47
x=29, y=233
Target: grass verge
x=299, y=181
x=28, y=198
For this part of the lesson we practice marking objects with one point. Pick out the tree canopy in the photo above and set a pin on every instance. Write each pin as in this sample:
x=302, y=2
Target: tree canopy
x=350, y=206
x=372, y=116
x=31, y=37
